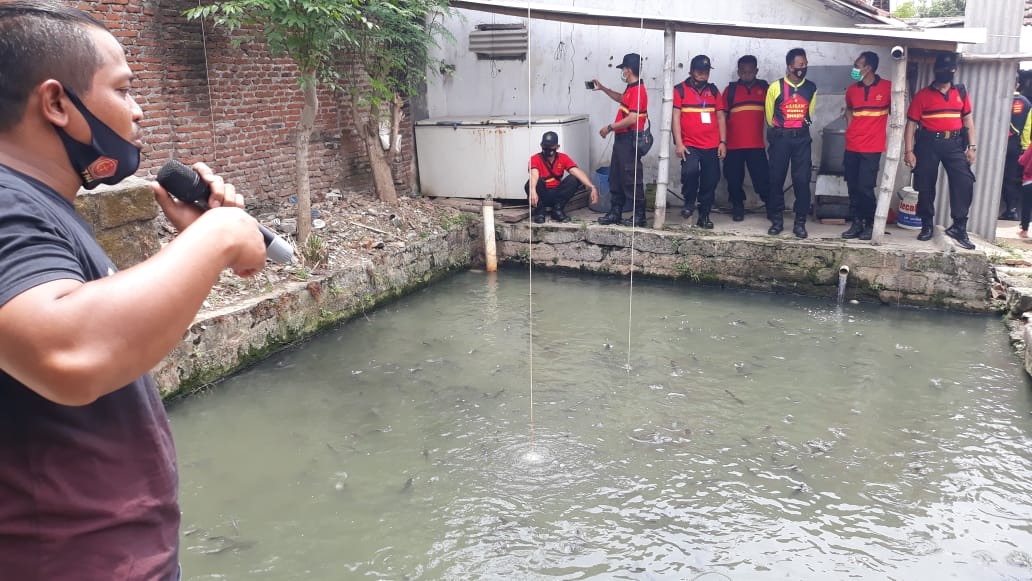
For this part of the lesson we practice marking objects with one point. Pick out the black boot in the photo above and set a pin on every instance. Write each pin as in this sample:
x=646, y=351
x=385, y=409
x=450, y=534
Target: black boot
x=539, y=215
x=855, y=229
x=704, y=221
x=958, y=232
x=639, y=217
x=927, y=229
x=737, y=212
x=559, y=215
x=799, y=228
x=687, y=211
x=868, y=232
x=614, y=216
x=777, y=224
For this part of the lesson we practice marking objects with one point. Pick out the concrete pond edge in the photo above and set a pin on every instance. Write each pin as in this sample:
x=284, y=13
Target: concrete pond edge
x=222, y=342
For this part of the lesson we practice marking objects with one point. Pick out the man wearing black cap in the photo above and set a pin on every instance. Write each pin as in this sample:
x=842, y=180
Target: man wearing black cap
x=700, y=138
x=942, y=110
x=547, y=188
x=625, y=167
x=789, y=111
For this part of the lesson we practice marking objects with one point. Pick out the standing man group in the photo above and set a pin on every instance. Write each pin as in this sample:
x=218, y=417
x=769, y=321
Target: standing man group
x=867, y=117
x=625, y=167
x=789, y=113
x=1018, y=136
x=700, y=138
x=941, y=129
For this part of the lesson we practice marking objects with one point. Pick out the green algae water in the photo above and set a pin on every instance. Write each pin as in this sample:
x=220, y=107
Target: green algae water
x=726, y=435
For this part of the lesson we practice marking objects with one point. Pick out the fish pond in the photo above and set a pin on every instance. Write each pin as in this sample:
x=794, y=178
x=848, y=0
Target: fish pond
x=615, y=431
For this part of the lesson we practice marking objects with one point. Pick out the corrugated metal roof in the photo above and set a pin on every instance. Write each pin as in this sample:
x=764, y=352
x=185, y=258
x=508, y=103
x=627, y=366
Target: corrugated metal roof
x=865, y=9
x=946, y=39
x=1028, y=12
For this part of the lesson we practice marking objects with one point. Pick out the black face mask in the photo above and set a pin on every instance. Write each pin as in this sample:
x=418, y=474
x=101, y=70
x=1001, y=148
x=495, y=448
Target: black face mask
x=943, y=77
x=109, y=159
x=547, y=152
x=800, y=72
x=698, y=84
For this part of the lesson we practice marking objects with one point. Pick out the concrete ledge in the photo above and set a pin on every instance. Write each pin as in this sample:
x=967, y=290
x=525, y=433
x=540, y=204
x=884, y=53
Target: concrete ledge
x=221, y=342
x=122, y=219
x=933, y=275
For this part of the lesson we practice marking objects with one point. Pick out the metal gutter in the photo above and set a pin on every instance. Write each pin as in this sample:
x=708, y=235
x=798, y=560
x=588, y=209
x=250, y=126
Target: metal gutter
x=936, y=39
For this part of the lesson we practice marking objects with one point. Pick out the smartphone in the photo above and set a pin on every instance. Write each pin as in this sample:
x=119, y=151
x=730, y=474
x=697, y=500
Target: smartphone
x=589, y=85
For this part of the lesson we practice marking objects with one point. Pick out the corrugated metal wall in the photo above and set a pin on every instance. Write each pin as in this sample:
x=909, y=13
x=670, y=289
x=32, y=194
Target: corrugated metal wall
x=991, y=86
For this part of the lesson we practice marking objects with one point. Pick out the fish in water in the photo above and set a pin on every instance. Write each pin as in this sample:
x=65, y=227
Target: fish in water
x=734, y=397
x=407, y=486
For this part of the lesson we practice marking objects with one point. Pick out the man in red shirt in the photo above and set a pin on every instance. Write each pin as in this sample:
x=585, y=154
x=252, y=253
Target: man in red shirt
x=625, y=167
x=867, y=117
x=744, y=100
x=943, y=112
x=699, y=138
x=547, y=188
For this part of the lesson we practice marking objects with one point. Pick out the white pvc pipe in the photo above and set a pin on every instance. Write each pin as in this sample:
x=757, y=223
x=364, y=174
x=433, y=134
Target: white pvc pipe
x=490, y=253
x=843, y=270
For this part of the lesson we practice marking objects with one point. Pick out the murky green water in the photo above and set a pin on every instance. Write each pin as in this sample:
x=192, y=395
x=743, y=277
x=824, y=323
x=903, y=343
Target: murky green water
x=752, y=437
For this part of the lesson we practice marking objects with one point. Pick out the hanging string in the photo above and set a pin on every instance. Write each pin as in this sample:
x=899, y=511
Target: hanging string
x=634, y=194
x=207, y=78
x=530, y=235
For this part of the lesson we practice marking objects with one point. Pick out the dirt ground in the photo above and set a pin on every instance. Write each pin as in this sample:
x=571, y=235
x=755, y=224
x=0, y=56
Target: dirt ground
x=346, y=230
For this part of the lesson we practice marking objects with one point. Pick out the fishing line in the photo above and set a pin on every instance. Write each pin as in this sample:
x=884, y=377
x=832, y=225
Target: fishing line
x=634, y=190
x=530, y=234
x=207, y=79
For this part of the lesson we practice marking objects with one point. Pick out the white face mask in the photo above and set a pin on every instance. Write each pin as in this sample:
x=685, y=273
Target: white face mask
x=623, y=75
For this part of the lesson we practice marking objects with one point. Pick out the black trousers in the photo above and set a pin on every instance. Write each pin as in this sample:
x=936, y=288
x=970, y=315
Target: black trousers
x=554, y=197
x=626, y=174
x=861, y=176
x=734, y=172
x=1026, y=205
x=700, y=174
x=789, y=147
x=930, y=152
x=1011, y=195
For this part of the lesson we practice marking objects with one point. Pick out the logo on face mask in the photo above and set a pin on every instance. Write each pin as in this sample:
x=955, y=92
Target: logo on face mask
x=800, y=72
x=108, y=159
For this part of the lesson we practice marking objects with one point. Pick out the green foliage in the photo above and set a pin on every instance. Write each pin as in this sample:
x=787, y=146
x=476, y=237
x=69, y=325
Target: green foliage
x=307, y=31
x=394, y=47
x=930, y=9
x=315, y=251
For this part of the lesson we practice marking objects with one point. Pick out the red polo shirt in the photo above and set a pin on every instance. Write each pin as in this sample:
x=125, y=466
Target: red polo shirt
x=870, y=108
x=934, y=111
x=552, y=174
x=635, y=100
x=745, y=114
x=698, y=111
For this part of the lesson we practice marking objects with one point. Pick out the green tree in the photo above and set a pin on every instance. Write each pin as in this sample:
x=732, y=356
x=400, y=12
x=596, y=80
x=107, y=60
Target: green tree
x=388, y=64
x=309, y=32
x=930, y=9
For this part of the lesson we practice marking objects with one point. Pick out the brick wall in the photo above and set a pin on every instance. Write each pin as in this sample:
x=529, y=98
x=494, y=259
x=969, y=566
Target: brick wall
x=233, y=107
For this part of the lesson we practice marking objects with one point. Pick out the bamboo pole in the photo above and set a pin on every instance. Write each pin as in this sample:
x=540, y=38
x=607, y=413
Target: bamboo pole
x=664, y=133
x=894, y=145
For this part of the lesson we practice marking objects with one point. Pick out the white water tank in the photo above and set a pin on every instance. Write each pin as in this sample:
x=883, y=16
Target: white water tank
x=476, y=156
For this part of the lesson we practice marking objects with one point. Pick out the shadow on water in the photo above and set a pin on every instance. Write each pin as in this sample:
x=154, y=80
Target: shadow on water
x=737, y=436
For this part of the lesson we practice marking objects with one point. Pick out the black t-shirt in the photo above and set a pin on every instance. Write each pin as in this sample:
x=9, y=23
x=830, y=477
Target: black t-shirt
x=86, y=492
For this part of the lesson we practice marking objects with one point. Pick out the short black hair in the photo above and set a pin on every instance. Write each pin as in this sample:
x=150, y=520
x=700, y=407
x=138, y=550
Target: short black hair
x=748, y=59
x=792, y=54
x=40, y=40
x=870, y=59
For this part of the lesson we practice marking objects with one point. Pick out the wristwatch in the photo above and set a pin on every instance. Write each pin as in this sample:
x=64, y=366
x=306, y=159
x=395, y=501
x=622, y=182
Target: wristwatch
x=973, y=147
x=610, y=126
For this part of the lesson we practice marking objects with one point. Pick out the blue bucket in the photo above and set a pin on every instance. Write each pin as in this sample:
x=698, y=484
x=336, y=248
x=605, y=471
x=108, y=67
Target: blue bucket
x=602, y=183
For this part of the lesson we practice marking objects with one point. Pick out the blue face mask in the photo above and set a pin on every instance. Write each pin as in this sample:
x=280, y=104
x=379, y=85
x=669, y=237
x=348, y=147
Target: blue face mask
x=109, y=159
x=856, y=74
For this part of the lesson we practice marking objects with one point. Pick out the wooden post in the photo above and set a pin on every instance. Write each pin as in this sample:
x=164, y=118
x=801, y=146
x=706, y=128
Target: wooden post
x=664, y=132
x=893, y=148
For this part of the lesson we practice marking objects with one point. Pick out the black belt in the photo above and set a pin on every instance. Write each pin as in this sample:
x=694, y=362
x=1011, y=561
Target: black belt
x=796, y=132
x=954, y=134
x=626, y=135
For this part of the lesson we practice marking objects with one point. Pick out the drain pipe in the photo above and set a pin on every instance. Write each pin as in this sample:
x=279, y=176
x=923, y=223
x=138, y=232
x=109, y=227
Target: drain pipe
x=843, y=270
x=490, y=253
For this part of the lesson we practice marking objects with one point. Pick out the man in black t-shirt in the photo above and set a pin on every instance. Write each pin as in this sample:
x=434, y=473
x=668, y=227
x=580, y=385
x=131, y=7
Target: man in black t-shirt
x=88, y=477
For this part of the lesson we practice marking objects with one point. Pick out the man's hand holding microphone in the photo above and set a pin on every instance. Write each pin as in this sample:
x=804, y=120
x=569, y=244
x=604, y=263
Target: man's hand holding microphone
x=198, y=199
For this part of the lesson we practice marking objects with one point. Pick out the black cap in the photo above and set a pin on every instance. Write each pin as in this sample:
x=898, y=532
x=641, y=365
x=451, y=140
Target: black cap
x=631, y=61
x=945, y=60
x=700, y=62
x=550, y=139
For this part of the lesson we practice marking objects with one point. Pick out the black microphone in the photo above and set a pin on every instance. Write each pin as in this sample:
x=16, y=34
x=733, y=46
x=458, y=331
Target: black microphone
x=186, y=184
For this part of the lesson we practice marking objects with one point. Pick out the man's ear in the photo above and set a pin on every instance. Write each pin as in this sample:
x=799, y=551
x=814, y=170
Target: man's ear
x=52, y=102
